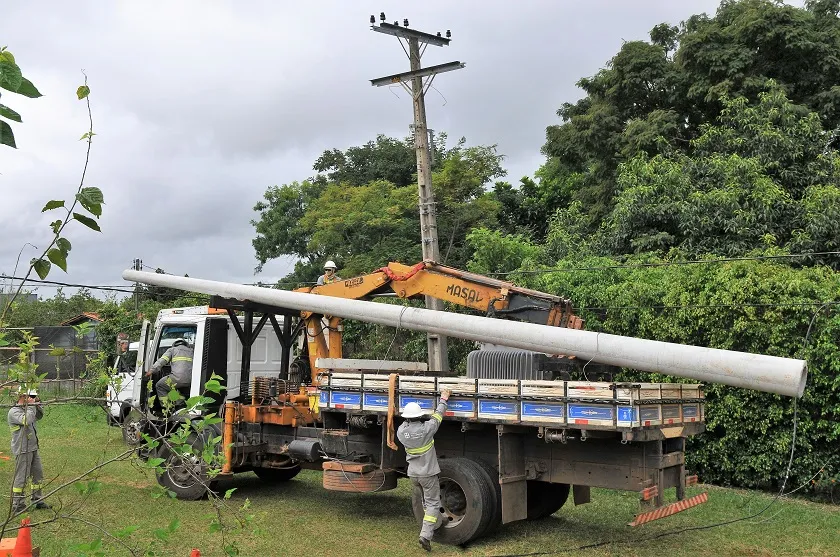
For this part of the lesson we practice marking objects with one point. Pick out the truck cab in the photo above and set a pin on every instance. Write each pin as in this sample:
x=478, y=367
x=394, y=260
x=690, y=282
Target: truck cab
x=217, y=351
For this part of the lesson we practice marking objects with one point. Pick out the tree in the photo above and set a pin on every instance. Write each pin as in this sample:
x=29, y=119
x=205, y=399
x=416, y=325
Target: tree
x=655, y=97
x=763, y=176
x=362, y=209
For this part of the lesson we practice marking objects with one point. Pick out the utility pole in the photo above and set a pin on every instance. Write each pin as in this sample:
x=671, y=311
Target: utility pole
x=412, y=81
x=138, y=266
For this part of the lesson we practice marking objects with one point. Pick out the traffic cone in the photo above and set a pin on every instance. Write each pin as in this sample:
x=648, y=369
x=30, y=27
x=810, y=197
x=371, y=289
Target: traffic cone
x=23, y=546
x=195, y=553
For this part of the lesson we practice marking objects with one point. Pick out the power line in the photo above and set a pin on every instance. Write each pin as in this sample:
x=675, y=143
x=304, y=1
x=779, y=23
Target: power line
x=109, y=288
x=715, y=306
x=663, y=264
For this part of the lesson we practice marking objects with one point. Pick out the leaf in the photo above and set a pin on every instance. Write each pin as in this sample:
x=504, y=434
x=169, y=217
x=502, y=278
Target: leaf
x=42, y=267
x=7, y=137
x=82, y=92
x=7, y=112
x=229, y=492
x=87, y=135
x=87, y=221
x=53, y=204
x=125, y=532
x=154, y=462
x=59, y=258
x=10, y=76
x=56, y=226
x=7, y=56
x=59, y=351
x=215, y=527
x=64, y=245
x=91, y=199
x=174, y=525
x=27, y=89
x=213, y=386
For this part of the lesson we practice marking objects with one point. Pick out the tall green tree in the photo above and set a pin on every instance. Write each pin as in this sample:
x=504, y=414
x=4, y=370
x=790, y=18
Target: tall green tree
x=361, y=208
x=654, y=97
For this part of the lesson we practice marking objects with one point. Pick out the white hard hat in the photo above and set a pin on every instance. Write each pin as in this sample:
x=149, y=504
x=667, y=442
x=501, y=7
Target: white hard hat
x=330, y=265
x=412, y=410
x=30, y=392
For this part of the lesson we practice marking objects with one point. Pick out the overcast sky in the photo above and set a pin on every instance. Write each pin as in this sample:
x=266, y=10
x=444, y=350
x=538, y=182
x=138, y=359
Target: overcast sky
x=198, y=107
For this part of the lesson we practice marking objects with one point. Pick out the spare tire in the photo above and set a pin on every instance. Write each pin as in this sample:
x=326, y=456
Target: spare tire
x=277, y=475
x=467, y=501
x=545, y=499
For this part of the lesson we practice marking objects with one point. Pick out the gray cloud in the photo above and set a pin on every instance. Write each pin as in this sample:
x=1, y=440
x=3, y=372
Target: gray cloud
x=199, y=106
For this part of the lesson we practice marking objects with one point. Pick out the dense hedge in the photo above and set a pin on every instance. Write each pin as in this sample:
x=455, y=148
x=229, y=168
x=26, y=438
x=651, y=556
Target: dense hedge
x=752, y=306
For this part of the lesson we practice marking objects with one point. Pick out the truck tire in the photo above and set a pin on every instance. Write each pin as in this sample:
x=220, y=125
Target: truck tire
x=277, y=475
x=466, y=496
x=186, y=474
x=132, y=428
x=493, y=479
x=545, y=499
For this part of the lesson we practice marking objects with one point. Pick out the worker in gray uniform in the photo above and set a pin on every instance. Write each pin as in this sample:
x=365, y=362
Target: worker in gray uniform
x=180, y=358
x=22, y=417
x=417, y=434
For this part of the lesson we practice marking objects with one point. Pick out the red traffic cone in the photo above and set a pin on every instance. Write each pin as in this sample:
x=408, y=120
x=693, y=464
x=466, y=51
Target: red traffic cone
x=195, y=553
x=23, y=546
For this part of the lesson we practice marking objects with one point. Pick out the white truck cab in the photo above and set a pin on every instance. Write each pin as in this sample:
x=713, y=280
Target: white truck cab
x=217, y=349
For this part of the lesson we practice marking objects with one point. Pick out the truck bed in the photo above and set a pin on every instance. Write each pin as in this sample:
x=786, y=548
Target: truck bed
x=616, y=406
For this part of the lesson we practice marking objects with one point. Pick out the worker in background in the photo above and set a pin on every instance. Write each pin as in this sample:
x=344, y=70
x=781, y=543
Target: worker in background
x=417, y=435
x=329, y=274
x=22, y=418
x=180, y=358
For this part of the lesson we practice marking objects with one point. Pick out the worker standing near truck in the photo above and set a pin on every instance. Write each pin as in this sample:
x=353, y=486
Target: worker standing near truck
x=22, y=417
x=180, y=359
x=417, y=434
x=329, y=274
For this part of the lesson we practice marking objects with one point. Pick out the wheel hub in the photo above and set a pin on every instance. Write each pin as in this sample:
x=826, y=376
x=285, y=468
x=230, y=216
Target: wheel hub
x=186, y=470
x=453, y=502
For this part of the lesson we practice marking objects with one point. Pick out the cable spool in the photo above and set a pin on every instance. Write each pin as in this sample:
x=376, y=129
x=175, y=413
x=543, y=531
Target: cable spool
x=359, y=482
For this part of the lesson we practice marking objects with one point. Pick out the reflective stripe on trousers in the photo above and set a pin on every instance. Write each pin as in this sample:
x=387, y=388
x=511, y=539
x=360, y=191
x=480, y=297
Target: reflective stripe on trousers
x=429, y=487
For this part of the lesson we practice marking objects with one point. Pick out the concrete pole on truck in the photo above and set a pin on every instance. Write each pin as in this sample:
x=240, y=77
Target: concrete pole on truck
x=412, y=82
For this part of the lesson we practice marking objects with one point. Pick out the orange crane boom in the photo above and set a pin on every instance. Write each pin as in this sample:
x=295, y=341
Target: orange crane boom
x=496, y=298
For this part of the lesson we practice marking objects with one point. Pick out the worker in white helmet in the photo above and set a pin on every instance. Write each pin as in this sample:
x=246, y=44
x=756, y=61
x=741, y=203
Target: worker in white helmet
x=329, y=274
x=417, y=434
x=22, y=417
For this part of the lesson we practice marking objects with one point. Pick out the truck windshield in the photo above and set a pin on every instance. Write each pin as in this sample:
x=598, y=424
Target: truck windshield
x=171, y=333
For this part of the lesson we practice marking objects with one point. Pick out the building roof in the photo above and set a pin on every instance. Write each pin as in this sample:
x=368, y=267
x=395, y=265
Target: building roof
x=86, y=316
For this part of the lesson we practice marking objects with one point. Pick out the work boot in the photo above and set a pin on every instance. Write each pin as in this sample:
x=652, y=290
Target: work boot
x=40, y=504
x=425, y=544
x=18, y=508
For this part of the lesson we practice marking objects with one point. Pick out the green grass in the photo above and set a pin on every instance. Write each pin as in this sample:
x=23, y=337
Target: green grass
x=300, y=518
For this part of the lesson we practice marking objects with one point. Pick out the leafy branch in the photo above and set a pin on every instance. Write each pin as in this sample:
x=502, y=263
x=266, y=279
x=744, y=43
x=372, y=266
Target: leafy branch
x=90, y=199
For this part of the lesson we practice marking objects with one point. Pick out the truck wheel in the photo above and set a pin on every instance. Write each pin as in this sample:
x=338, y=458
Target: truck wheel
x=466, y=497
x=132, y=428
x=545, y=499
x=277, y=475
x=186, y=474
x=493, y=479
